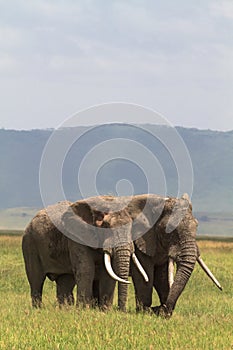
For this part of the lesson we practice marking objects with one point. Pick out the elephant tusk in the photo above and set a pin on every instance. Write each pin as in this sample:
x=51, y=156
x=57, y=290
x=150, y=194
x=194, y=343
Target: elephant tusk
x=107, y=262
x=170, y=272
x=208, y=272
x=140, y=268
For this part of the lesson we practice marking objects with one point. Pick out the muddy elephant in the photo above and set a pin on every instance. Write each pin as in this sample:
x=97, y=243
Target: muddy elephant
x=170, y=239
x=64, y=242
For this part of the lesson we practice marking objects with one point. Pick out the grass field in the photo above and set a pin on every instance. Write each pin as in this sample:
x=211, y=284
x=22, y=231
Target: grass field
x=203, y=318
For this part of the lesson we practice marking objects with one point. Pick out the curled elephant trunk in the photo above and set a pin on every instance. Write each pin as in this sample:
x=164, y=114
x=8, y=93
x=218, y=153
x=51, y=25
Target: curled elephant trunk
x=108, y=266
x=185, y=264
x=208, y=272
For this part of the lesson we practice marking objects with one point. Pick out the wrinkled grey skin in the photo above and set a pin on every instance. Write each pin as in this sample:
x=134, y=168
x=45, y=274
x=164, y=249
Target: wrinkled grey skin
x=169, y=237
x=49, y=253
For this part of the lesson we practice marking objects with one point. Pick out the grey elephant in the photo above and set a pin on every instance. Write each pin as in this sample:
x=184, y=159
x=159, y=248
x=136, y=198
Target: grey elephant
x=62, y=243
x=170, y=239
x=164, y=232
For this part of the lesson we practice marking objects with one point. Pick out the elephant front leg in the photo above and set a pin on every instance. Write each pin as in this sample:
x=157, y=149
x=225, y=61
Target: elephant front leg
x=161, y=282
x=84, y=279
x=106, y=291
x=82, y=261
x=143, y=290
x=161, y=286
x=96, y=293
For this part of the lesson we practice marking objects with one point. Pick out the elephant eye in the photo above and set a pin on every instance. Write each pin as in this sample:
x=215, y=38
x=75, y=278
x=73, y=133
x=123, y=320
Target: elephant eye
x=99, y=216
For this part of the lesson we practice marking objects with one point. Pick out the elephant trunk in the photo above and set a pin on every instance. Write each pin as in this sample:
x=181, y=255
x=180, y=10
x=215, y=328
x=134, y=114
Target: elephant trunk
x=108, y=266
x=185, y=265
x=122, y=263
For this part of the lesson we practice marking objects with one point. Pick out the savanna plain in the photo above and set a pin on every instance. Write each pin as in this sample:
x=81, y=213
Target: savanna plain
x=203, y=318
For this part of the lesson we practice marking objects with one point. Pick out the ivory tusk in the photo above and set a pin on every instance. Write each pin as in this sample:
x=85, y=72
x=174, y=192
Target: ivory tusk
x=170, y=272
x=107, y=262
x=140, y=268
x=208, y=272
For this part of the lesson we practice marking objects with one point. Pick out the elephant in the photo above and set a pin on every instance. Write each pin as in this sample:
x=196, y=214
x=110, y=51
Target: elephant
x=163, y=231
x=153, y=230
x=45, y=253
x=55, y=245
x=170, y=239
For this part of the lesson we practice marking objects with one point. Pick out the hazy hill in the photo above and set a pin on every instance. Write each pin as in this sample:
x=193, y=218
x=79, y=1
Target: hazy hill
x=211, y=154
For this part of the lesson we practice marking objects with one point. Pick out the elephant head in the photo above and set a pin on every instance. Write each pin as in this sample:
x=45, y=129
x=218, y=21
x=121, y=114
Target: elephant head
x=97, y=223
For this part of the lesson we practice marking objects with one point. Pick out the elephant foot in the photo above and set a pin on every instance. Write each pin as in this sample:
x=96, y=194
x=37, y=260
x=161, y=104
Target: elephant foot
x=83, y=306
x=95, y=303
x=36, y=302
x=65, y=300
x=144, y=309
x=161, y=311
x=104, y=308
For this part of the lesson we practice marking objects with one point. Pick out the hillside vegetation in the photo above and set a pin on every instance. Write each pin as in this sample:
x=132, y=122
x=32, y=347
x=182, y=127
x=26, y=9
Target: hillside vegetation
x=211, y=154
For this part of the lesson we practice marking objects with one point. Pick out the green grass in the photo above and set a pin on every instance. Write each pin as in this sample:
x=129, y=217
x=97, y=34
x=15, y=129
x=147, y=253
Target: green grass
x=203, y=317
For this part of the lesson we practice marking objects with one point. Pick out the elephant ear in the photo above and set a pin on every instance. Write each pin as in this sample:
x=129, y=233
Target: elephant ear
x=145, y=211
x=147, y=243
x=83, y=210
x=78, y=224
x=178, y=212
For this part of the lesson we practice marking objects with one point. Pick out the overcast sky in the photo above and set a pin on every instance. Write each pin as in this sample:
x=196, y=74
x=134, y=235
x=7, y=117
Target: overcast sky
x=57, y=57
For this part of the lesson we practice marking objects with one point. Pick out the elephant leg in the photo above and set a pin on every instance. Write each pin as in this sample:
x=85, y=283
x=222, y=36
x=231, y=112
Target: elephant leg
x=36, y=291
x=85, y=287
x=34, y=270
x=65, y=285
x=106, y=290
x=96, y=294
x=143, y=290
x=36, y=280
x=161, y=282
x=83, y=263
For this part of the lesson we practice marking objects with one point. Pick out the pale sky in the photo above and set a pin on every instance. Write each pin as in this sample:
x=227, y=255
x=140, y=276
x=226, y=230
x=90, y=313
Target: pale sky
x=58, y=57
